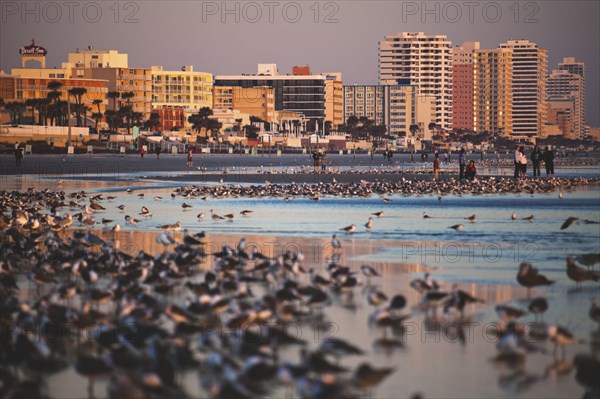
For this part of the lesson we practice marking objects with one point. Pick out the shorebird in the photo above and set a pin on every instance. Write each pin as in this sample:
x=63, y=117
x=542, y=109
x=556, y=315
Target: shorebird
x=92, y=368
x=369, y=223
x=366, y=377
x=129, y=191
x=386, y=200
x=349, y=229
x=426, y=284
x=96, y=207
x=508, y=313
x=579, y=274
x=376, y=297
x=529, y=218
x=378, y=214
x=538, y=307
x=140, y=195
x=110, y=198
x=514, y=216
x=245, y=212
x=145, y=212
x=560, y=193
x=569, y=222
x=335, y=244
x=471, y=218
x=165, y=239
x=457, y=227
x=369, y=272
x=121, y=207
x=528, y=276
x=229, y=217
x=157, y=198
x=459, y=299
x=200, y=216
x=116, y=228
x=561, y=337
x=426, y=216
x=171, y=227
x=185, y=206
x=594, y=312
x=215, y=217
x=130, y=220
x=434, y=299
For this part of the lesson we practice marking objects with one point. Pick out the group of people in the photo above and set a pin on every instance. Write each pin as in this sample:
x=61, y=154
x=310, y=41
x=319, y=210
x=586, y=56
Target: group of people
x=536, y=157
x=319, y=159
x=466, y=171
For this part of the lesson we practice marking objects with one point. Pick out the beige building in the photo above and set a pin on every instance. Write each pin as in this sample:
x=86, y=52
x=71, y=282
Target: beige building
x=424, y=61
x=186, y=88
x=258, y=101
x=529, y=74
x=492, y=91
x=90, y=58
x=561, y=113
x=566, y=86
x=424, y=115
x=334, y=99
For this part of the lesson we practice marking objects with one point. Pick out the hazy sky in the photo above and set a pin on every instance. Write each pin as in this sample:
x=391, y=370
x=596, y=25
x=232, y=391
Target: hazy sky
x=330, y=36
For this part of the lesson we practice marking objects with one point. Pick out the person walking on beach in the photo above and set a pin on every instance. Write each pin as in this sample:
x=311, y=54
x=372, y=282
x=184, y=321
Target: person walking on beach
x=523, y=162
x=324, y=161
x=536, y=158
x=462, y=163
x=18, y=154
x=157, y=152
x=436, y=166
x=316, y=157
x=517, y=162
x=548, y=158
x=142, y=151
x=190, y=161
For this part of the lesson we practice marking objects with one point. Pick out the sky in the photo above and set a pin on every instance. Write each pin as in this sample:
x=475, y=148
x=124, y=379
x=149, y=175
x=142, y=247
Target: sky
x=231, y=37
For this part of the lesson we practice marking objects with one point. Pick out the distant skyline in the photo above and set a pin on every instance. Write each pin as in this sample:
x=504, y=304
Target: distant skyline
x=177, y=33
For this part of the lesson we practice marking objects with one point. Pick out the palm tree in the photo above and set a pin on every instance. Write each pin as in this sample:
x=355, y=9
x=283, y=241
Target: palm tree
x=128, y=109
x=114, y=95
x=97, y=117
x=31, y=102
x=53, y=97
x=14, y=108
x=78, y=93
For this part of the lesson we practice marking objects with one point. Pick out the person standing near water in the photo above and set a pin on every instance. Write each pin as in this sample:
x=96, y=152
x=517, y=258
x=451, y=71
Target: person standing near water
x=142, y=151
x=517, y=162
x=190, y=161
x=436, y=166
x=523, y=162
x=462, y=163
x=18, y=154
x=548, y=158
x=536, y=158
x=157, y=152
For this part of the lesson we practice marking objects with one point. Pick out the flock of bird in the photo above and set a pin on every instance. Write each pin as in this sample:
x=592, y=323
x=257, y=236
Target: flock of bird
x=151, y=319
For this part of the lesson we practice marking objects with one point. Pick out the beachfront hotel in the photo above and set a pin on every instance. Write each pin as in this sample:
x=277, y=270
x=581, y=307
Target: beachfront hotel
x=424, y=61
x=255, y=101
x=302, y=92
x=566, y=86
x=186, y=88
x=529, y=65
x=492, y=107
x=462, y=85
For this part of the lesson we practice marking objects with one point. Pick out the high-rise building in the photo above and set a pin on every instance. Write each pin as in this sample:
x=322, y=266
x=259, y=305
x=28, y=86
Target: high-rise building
x=462, y=85
x=560, y=114
x=334, y=99
x=569, y=81
x=426, y=62
x=186, y=88
x=395, y=106
x=529, y=68
x=303, y=94
x=492, y=103
x=90, y=58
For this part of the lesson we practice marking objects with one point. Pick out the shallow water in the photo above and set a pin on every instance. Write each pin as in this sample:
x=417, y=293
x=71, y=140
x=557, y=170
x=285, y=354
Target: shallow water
x=482, y=259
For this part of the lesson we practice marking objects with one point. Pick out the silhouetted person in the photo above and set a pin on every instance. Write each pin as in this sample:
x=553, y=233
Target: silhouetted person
x=462, y=163
x=548, y=158
x=157, y=152
x=536, y=159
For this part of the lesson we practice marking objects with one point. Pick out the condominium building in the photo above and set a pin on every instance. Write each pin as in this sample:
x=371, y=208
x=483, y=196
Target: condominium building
x=560, y=114
x=123, y=80
x=492, y=104
x=462, y=85
x=255, y=101
x=570, y=64
x=569, y=86
x=185, y=88
x=426, y=61
x=334, y=99
x=296, y=93
x=395, y=106
x=529, y=68
x=90, y=58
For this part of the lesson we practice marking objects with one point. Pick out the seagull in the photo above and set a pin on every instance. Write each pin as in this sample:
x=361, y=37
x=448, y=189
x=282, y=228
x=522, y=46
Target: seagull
x=200, y=216
x=471, y=218
x=169, y=227
x=349, y=229
x=129, y=191
x=457, y=227
x=514, y=216
x=165, y=239
x=185, y=206
x=528, y=276
x=422, y=285
x=245, y=212
x=561, y=337
x=369, y=272
x=335, y=243
x=378, y=214
x=366, y=376
x=579, y=274
x=369, y=223
x=116, y=228
x=121, y=207
x=538, y=306
x=229, y=217
x=157, y=198
x=141, y=195
x=560, y=193
x=110, y=198
x=529, y=218
x=386, y=200
x=215, y=217
x=96, y=207
x=426, y=216
x=459, y=299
